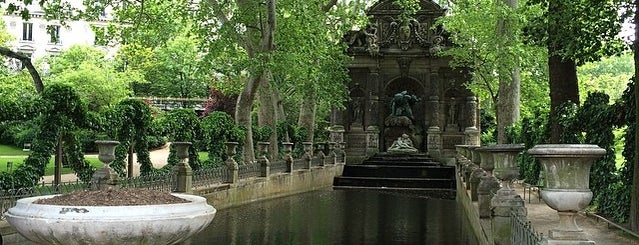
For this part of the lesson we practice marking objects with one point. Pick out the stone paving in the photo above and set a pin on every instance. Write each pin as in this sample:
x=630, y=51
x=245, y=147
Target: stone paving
x=543, y=218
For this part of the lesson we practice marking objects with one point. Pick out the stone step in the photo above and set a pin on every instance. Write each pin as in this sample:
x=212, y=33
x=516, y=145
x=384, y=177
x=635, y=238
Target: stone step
x=445, y=193
x=399, y=171
x=395, y=182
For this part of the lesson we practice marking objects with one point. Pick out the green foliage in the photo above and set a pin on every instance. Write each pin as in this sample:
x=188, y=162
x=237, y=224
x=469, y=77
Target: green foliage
x=92, y=75
x=532, y=130
x=218, y=128
x=172, y=70
x=183, y=125
x=62, y=113
x=133, y=125
x=582, y=30
x=492, y=52
x=607, y=75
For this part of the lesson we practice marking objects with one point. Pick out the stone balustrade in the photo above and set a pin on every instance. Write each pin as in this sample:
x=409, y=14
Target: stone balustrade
x=485, y=176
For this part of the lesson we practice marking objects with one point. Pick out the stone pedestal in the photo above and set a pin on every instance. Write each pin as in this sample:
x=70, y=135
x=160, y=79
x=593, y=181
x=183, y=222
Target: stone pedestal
x=502, y=206
x=475, y=178
x=434, y=142
x=488, y=186
x=372, y=140
x=265, y=168
x=232, y=167
x=182, y=170
x=472, y=136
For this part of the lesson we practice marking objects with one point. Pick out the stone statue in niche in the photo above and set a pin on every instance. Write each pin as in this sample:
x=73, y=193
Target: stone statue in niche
x=452, y=124
x=356, y=108
x=402, y=145
x=402, y=104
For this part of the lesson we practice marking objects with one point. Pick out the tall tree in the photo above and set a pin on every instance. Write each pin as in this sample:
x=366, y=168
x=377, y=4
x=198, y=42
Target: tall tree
x=574, y=32
x=489, y=40
x=634, y=201
x=508, y=102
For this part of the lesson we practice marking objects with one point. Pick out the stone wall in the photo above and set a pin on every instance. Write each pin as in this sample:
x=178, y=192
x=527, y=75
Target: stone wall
x=277, y=185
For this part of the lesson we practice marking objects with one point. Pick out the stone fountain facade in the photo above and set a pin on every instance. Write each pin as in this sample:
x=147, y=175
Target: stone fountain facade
x=391, y=56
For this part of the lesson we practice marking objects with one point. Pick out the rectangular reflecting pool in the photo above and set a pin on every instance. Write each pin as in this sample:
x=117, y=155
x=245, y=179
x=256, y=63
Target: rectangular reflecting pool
x=341, y=217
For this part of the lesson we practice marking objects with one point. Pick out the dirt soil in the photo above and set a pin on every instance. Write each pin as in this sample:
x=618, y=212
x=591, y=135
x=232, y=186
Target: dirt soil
x=113, y=197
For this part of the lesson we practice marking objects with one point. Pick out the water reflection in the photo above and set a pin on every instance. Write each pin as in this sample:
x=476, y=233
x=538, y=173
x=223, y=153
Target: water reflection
x=340, y=217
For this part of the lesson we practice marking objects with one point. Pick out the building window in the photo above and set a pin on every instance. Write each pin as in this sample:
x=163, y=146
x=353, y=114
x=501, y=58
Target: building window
x=27, y=31
x=54, y=34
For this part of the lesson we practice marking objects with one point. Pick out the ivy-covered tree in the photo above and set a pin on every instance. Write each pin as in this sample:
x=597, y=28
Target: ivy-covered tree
x=574, y=32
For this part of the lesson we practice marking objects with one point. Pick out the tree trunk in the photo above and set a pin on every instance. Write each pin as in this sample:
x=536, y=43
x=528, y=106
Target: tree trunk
x=307, y=115
x=508, y=104
x=562, y=72
x=26, y=61
x=243, y=115
x=267, y=114
x=563, y=88
x=634, y=193
x=508, y=101
x=247, y=96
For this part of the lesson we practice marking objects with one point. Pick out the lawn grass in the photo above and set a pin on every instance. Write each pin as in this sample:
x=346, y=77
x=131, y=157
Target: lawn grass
x=50, y=167
x=9, y=150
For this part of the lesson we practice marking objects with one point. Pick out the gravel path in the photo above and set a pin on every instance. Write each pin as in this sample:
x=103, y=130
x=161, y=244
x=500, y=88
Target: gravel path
x=158, y=158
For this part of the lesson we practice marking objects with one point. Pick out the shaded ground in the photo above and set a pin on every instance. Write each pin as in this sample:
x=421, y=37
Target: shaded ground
x=543, y=218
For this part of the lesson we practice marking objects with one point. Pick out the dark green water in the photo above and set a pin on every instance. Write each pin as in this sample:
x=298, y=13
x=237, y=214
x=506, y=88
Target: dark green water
x=340, y=217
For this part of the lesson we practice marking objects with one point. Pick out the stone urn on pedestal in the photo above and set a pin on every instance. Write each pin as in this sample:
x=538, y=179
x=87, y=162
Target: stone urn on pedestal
x=106, y=176
x=506, y=201
x=566, y=188
x=505, y=166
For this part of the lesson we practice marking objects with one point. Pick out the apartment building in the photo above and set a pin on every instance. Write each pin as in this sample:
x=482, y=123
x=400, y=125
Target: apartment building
x=32, y=37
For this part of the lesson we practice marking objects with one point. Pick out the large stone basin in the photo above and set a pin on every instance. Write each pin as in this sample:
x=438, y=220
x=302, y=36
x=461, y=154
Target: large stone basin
x=97, y=225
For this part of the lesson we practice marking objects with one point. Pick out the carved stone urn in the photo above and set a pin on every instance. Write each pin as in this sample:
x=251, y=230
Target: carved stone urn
x=505, y=164
x=105, y=176
x=566, y=188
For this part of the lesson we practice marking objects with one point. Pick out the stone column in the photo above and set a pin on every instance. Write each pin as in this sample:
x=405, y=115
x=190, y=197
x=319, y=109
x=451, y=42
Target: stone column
x=372, y=140
x=434, y=146
x=433, y=107
x=262, y=160
x=182, y=170
x=372, y=110
x=232, y=167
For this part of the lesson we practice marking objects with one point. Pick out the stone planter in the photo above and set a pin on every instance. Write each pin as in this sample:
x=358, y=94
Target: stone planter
x=486, y=159
x=97, y=225
x=505, y=163
x=566, y=188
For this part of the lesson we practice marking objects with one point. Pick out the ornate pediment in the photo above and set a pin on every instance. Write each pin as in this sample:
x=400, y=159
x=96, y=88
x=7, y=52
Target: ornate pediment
x=387, y=33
